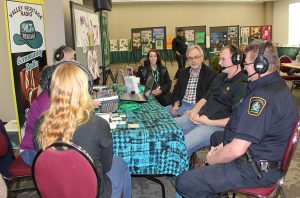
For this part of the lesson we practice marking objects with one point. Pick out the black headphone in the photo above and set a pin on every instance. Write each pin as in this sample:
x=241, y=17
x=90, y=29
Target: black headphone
x=261, y=63
x=85, y=69
x=59, y=53
x=237, y=56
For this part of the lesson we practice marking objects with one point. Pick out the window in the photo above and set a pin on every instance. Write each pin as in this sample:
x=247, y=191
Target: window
x=294, y=27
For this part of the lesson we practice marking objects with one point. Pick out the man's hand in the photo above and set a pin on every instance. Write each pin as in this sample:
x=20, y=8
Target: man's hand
x=156, y=92
x=190, y=112
x=96, y=103
x=175, y=109
x=213, y=151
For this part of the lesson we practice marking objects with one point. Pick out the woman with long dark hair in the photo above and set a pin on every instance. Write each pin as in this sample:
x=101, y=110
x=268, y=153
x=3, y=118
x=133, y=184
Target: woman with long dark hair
x=162, y=82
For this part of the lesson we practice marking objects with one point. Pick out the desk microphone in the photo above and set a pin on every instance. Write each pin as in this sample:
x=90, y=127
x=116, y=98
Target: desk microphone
x=223, y=68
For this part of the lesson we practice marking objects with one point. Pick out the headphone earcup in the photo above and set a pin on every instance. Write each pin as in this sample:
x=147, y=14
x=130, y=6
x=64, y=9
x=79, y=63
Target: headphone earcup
x=59, y=54
x=237, y=58
x=261, y=64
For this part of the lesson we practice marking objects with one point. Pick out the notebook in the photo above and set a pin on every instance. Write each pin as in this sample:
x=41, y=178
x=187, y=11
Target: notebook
x=138, y=97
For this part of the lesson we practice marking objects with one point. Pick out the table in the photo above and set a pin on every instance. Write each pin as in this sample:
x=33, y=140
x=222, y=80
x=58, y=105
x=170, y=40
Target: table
x=157, y=147
x=291, y=65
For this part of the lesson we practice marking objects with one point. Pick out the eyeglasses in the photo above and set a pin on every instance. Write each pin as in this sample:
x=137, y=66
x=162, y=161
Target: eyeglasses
x=246, y=64
x=194, y=58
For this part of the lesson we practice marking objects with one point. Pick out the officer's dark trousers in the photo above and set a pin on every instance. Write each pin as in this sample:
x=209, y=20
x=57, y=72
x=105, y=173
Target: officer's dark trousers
x=209, y=180
x=216, y=138
x=181, y=60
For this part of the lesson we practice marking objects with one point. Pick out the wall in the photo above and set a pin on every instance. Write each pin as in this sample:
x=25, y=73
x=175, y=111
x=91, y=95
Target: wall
x=55, y=36
x=123, y=17
x=7, y=109
x=281, y=21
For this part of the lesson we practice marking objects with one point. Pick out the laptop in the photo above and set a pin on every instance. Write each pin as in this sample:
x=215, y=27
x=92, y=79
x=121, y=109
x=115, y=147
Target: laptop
x=138, y=97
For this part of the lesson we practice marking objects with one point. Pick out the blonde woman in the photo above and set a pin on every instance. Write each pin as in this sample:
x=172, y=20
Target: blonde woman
x=71, y=117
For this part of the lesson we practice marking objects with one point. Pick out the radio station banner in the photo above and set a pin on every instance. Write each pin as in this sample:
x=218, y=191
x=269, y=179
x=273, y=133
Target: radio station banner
x=26, y=38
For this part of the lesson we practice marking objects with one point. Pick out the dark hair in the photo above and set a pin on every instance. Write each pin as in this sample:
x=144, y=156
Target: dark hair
x=46, y=75
x=179, y=30
x=158, y=62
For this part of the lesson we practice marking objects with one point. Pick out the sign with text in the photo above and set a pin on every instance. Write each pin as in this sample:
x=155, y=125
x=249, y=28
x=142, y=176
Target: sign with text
x=26, y=39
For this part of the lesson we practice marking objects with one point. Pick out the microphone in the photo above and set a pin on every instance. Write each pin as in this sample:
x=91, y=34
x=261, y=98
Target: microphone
x=252, y=74
x=246, y=80
x=223, y=68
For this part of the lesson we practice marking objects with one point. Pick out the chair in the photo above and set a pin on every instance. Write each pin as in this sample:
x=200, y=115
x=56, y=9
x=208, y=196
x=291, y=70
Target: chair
x=65, y=170
x=119, y=77
x=16, y=168
x=287, y=158
x=289, y=77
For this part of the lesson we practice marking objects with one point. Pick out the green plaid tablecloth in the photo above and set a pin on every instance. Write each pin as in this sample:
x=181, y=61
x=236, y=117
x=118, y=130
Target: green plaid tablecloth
x=156, y=147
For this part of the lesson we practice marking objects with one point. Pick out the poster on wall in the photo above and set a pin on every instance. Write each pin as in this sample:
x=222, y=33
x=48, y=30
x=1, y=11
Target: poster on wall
x=169, y=40
x=189, y=35
x=200, y=37
x=255, y=32
x=124, y=44
x=87, y=28
x=25, y=26
x=146, y=48
x=158, y=33
x=136, y=40
x=266, y=32
x=113, y=45
x=146, y=36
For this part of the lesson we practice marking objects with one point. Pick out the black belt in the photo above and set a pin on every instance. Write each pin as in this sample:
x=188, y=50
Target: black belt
x=264, y=165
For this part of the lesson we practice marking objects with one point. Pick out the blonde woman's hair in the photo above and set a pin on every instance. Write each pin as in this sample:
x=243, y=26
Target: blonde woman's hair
x=70, y=105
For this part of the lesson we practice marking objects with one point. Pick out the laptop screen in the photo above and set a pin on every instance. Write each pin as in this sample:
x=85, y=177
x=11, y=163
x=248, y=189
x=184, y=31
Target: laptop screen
x=149, y=86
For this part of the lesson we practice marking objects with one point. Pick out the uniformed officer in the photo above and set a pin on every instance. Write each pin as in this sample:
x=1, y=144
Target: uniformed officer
x=258, y=129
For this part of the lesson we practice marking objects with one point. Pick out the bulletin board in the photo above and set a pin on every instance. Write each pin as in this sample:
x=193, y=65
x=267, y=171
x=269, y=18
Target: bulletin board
x=249, y=33
x=144, y=39
x=195, y=35
x=87, y=37
x=224, y=35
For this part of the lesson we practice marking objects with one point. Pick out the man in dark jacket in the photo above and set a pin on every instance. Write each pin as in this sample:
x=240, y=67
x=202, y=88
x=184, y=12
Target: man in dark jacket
x=192, y=84
x=179, y=46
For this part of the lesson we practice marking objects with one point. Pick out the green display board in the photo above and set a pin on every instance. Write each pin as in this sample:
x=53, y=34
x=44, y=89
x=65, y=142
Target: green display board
x=144, y=39
x=195, y=35
x=224, y=35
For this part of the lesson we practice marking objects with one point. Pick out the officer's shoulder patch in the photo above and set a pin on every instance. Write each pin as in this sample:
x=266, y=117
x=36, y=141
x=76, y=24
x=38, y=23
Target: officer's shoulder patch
x=256, y=105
